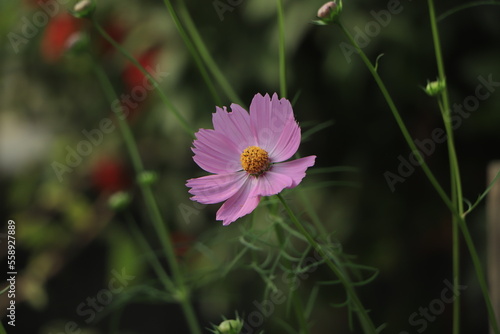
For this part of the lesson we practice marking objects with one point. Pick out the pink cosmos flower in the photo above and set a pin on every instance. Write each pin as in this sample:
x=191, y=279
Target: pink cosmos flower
x=246, y=154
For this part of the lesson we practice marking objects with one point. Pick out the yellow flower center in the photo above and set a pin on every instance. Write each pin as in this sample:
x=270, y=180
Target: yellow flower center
x=254, y=160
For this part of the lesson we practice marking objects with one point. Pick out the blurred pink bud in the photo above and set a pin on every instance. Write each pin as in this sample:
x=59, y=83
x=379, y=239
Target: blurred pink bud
x=325, y=10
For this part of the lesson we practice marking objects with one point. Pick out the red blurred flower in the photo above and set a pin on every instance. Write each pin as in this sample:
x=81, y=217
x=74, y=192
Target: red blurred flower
x=57, y=34
x=109, y=175
x=116, y=31
x=132, y=76
x=137, y=86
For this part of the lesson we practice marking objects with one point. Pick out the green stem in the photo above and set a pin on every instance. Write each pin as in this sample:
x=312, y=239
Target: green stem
x=282, y=58
x=432, y=179
x=399, y=120
x=456, y=184
x=465, y=6
x=151, y=204
x=480, y=275
x=364, y=318
x=194, y=53
x=2, y=329
x=205, y=54
x=185, y=125
x=153, y=260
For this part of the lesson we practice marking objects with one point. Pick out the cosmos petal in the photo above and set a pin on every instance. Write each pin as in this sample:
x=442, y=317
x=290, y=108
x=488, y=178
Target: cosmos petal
x=215, y=153
x=216, y=188
x=271, y=183
x=240, y=204
x=268, y=118
x=295, y=169
x=235, y=125
x=287, y=144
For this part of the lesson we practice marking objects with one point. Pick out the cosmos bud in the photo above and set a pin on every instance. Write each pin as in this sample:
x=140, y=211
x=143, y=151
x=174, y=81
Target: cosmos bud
x=230, y=326
x=329, y=13
x=147, y=178
x=119, y=200
x=434, y=88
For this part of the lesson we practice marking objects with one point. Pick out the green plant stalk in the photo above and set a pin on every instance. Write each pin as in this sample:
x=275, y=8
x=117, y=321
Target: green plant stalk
x=364, y=318
x=152, y=206
x=282, y=53
x=456, y=184
x=398, y=119
x=432, y=179
x=465, y=6
x=2, y=329
x=205, y=54
x=196, y=57
x=480, y=275
x=153, y=260
x=184, y=124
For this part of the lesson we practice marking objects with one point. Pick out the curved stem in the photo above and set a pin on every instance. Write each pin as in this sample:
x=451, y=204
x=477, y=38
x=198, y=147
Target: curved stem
x=398, y=119
x=364, y=318
x=152, y=206
x=205, y=54
x=194, y=53
x=450, y=204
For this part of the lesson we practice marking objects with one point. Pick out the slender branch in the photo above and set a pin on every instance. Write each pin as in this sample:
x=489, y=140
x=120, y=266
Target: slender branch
x=162, y=231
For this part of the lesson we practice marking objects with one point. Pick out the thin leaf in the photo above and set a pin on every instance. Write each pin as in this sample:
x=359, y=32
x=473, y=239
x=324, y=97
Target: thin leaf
x=465, y=6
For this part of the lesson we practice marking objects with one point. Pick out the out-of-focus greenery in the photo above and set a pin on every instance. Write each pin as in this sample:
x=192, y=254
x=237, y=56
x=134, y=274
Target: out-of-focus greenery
x=69, y=242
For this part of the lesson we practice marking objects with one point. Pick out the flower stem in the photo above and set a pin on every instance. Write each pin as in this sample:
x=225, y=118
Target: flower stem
x=282, y=58
x=205, y=54
x=449, y=203
x=152, y=206
x=2, y=329
x=399, y=120
x=456, y=185
x=364, y=318
x=194, y=53
x=185, y=125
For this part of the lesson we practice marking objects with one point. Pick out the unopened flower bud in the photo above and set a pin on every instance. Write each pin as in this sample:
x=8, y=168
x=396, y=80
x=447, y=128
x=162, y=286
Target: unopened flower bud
x=77, y=43
x=119, y=200
x=230, y=326
x=329, y=12
x=147, y=178
x=84, y=8
x=434, y=88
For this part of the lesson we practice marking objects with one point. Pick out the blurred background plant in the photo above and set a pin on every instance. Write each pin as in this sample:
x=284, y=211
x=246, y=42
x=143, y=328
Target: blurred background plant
x=71, y=243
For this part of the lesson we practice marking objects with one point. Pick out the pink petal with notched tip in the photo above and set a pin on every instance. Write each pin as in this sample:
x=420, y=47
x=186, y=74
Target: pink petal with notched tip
x=235, y=125
x=295, y=169
x=268, y=118
x=216, y=188
x=287, y=144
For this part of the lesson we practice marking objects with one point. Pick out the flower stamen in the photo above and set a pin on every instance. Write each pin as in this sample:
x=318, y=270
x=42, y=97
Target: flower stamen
x=254, y=160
